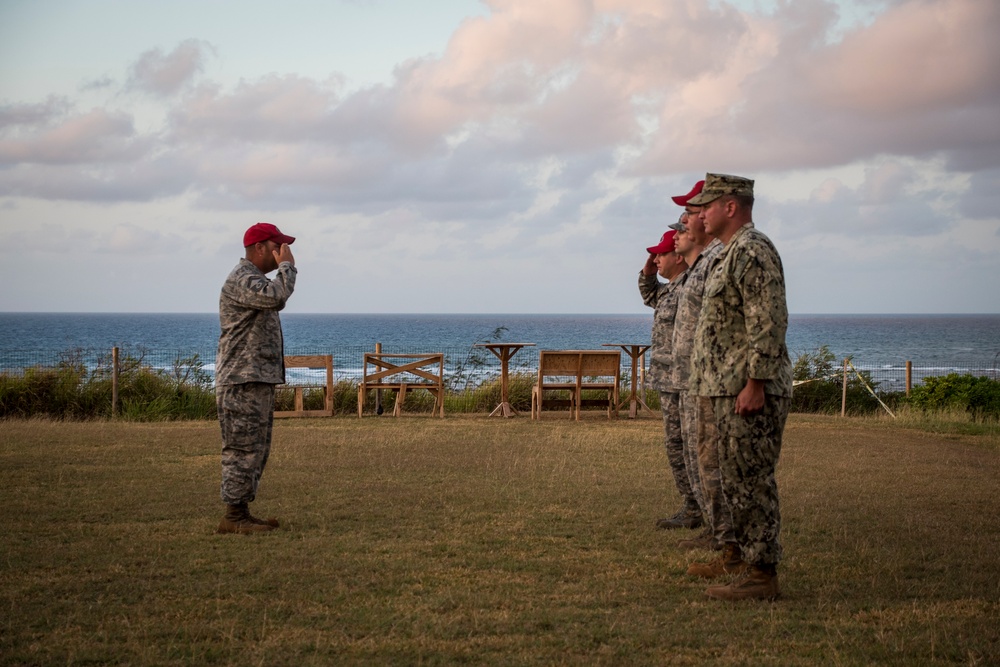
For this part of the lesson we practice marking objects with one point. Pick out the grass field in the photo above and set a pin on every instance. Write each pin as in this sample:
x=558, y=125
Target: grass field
x=479, y=541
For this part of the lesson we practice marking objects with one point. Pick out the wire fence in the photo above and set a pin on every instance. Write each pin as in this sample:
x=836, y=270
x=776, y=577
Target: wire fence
x=892, y=378
x=465, y=367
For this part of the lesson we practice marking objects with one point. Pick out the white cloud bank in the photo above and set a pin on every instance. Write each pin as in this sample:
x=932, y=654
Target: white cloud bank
x=525, y=166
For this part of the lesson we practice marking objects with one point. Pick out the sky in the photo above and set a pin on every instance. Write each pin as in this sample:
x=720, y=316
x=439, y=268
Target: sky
x=494, y=156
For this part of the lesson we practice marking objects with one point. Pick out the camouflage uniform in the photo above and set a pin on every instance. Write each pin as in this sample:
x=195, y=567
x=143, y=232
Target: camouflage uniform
x=663, y=298
x=700, y=438
x=741, y=335
x=250, y=362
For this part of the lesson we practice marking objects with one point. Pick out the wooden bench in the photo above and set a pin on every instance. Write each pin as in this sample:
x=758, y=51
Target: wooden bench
x=324, y=361
x=577, y=371
x=395, y=373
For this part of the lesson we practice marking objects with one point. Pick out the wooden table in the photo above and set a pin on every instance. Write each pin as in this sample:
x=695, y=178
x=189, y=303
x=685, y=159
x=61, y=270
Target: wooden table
x=634, y=400
x=503, y=352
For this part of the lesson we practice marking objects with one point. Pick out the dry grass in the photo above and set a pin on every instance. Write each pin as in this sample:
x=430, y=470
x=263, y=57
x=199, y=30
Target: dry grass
x=470, y=540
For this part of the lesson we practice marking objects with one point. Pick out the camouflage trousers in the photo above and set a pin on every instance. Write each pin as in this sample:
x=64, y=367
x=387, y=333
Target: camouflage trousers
x=676, y=455
x=246, y=415
x=698, y=418
x=749, y=448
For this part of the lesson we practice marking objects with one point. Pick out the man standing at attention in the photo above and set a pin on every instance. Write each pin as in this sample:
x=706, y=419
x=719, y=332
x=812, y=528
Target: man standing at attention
x=250, y=362
x=700, y=442
x=664, y=261
x=741, y=372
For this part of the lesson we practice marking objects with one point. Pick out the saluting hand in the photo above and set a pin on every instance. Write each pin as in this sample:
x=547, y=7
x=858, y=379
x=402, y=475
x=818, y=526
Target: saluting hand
x=284, y=254
x=650, y=267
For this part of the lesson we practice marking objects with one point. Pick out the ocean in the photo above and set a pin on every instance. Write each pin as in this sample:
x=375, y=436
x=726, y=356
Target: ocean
x=936, y=343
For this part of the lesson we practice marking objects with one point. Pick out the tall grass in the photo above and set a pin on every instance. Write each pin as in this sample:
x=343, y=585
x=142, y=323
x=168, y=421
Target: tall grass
x=70, y=390
x=471, y=540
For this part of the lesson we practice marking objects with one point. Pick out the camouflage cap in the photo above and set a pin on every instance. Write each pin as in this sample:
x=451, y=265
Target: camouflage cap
x=679, y=226
x=719, y=185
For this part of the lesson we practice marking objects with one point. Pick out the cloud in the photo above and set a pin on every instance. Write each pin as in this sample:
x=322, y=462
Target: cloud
x=42, y=114
x=101, y=83
x=275, y=108
x=636, y=90
x=579, y=112
x=165, y=74
x=885, y=183
x=894, y=199
x=980, y=201
x=130, y=238
x=141, y=181
x=95, y=136
x=918, y=80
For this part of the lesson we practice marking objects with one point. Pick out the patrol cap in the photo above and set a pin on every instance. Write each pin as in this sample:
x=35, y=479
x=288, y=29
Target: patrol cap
x=684, y=200
x=265, y=231
x=720, y=185
x=679, y=226
x=666, y=244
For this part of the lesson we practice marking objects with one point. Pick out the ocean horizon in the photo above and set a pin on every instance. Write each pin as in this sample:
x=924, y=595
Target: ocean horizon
x=929, y=339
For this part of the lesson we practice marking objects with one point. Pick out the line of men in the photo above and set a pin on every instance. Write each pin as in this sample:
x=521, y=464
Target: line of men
x=720, y=364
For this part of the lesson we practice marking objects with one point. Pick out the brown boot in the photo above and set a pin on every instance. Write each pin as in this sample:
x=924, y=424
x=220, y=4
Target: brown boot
x=269, y=521
x=704, y=540
x=729, y=562
x=759, y=583
x=238, y=520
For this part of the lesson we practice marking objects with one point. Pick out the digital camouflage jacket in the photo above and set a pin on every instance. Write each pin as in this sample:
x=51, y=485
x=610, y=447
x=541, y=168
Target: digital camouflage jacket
x=688, y=311
x=662, y=297
x=251, y=347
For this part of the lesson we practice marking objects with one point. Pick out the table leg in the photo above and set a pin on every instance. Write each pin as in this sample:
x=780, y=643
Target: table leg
x=505, y=409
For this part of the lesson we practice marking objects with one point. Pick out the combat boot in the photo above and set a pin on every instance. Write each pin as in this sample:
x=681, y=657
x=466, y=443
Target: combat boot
x=704, y=540
x=237, y=520
x=269, y=521
x=729, y=562
x=684, y=518
x=760, y=582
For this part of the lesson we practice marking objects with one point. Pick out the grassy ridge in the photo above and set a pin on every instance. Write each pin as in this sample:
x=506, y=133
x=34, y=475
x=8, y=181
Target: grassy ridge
x=472, y=540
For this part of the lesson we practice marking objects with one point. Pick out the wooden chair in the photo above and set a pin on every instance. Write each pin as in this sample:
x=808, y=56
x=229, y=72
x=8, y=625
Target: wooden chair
x=577, y=371
x=423, y=371
x=324, y=361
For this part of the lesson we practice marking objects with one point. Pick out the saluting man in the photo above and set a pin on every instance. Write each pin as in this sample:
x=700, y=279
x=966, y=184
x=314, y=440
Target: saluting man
x=250, y=362
x=663, y=260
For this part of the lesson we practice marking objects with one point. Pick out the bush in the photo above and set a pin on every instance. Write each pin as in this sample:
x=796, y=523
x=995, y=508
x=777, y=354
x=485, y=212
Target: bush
x=978, y=396
x=71, y=391
x=822, y=385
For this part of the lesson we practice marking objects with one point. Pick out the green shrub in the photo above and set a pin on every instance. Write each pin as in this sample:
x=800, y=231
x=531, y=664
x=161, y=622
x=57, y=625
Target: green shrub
x=978, y=396
x=821, y=386
x=69, y=391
